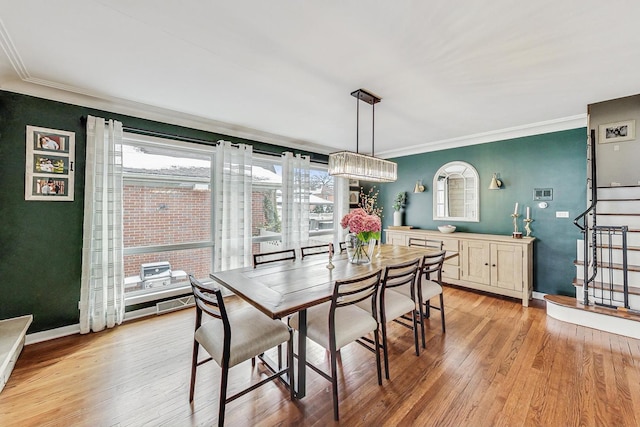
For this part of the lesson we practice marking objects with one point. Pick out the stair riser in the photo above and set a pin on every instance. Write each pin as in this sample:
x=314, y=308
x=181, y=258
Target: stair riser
x=633, y=276
x=633, y=257
x=634, y=300
x=619, y=193
x=617, y=220
x=623, y=206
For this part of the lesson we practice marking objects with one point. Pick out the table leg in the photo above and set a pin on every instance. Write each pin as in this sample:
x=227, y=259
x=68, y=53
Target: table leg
x=301, y=383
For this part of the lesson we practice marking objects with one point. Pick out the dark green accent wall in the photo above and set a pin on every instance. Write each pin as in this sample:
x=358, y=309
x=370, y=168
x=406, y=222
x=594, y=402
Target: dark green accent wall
x=554, y=160
x=41, y=242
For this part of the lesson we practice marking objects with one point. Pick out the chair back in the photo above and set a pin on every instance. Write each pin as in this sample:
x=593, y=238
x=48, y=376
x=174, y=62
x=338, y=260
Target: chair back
x=324, y=248
x=266, y=257
x=209, y=300
x=400, y=275
x=352, y=291
x=343, y=246
x=426, y=243
x=432, y=264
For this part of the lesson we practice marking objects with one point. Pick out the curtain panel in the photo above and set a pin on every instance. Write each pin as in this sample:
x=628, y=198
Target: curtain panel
x=232, y=184
x=295, y=199
x=102, y=281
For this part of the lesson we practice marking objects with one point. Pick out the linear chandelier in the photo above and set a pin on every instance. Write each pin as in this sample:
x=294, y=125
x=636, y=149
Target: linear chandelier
x=347, y=164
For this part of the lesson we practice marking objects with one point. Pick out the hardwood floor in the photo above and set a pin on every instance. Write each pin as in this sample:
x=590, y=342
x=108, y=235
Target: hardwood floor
x=498, y=364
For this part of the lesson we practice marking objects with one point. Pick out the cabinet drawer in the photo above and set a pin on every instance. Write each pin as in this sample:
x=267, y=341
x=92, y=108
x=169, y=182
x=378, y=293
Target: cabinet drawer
x=450, y=272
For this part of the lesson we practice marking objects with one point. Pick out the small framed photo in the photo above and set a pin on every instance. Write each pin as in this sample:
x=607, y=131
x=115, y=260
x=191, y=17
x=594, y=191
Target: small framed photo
x=617, y=132
x=354, y=183
x=49, y=173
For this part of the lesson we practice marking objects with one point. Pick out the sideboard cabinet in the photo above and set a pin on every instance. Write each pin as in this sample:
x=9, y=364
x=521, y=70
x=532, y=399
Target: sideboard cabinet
x=487, y=262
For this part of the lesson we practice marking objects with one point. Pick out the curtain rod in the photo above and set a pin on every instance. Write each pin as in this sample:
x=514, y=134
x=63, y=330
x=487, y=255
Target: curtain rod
x=196, y=140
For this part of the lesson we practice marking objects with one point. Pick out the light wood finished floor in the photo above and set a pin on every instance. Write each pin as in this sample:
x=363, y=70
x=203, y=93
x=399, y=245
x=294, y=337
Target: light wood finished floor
x=498, y=364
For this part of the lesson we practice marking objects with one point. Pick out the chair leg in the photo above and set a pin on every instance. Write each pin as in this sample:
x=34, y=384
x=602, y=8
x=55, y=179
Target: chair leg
x=279, y=356
x=422, y=325
x=194, y=366
x=292, y=384
x=376, y=338
x=384, y=350
x=223, y=394
x=442, y=311
x=415, y=316
x=334, y=384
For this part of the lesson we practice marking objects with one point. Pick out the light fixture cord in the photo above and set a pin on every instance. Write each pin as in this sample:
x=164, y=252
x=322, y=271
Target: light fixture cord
x=373, y=127
x=357, y=122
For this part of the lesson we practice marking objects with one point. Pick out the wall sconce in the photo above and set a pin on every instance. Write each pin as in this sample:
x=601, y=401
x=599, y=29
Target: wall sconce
x=495, y=183
x=419, y=188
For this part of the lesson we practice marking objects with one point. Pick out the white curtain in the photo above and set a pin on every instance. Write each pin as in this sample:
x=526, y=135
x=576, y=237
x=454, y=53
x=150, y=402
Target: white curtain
x=295, y=200
x=340, y=207
x=102, y=282
x=232, y=183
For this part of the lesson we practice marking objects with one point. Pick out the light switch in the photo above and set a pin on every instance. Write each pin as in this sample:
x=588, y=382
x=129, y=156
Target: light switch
x=562, y=214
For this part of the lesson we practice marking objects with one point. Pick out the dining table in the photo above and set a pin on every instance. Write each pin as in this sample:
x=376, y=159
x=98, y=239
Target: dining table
x=282, y=288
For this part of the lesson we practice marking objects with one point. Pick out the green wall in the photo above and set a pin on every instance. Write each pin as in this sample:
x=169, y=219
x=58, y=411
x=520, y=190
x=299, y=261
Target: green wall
x=41, y=242
x=554, y=160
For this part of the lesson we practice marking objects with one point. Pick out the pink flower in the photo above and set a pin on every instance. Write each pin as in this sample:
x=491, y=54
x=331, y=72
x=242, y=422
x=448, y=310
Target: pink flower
x=358, y=221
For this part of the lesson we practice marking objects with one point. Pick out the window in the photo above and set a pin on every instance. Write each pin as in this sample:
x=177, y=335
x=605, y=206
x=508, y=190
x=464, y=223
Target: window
x=267, y=204
x=167, y=204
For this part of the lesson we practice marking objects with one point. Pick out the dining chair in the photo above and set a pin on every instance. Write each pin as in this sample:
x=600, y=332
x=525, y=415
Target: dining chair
x=324, y=248
x=396, y=299
x=428, y=285
x=426, y=243
x=340, y=321
x=273, y=256
x=232, y=337
x=343, y=246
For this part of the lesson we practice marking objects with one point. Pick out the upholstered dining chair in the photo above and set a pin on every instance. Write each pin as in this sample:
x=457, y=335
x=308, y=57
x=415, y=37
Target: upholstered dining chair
x=426, y=243
x=231, y=338
x=396, y=300
x=273, y=256
x=428, y=285
x=324, y=248
x=340, y=321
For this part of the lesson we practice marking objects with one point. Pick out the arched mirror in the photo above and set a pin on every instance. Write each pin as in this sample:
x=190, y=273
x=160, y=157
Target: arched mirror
x=455, y=193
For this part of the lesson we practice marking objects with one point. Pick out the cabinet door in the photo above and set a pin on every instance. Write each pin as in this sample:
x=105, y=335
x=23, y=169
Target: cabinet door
x=506, y=266
x=475, y=261
x=396, y=239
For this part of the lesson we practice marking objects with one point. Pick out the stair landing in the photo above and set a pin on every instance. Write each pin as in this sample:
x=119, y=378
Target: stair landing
x=568, y=309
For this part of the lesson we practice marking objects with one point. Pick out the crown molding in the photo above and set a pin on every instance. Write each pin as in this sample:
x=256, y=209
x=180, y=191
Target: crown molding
x=556, y=125
x=71, y=95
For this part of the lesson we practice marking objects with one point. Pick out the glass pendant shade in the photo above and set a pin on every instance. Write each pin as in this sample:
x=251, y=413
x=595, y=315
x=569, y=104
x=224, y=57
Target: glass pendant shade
x=348, y=164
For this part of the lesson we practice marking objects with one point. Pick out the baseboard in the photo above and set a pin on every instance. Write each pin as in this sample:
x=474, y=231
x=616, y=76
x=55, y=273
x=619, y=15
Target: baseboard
x=538, y=295
x=52, y=334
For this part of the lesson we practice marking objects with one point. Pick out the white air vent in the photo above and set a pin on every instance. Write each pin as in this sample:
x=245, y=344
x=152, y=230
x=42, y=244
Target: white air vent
x=174, y=304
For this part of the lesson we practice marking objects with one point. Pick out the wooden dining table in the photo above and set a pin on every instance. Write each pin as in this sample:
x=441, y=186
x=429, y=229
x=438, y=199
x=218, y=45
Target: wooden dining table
x=283, y=288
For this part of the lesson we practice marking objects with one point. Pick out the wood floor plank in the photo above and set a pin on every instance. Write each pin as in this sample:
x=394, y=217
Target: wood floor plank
x=498, y=364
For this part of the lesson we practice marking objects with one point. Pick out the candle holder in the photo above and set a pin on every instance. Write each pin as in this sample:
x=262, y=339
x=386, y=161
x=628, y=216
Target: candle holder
x=330, y=266
x=527, y=226
x=516, y=234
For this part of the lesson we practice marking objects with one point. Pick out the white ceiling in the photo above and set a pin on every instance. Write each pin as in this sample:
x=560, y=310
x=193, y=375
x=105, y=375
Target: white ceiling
x=448, y=72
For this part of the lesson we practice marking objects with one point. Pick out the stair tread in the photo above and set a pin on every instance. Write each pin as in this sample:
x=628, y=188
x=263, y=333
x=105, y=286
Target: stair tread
x=614, y=265
x=572, y=302
x=617, y=288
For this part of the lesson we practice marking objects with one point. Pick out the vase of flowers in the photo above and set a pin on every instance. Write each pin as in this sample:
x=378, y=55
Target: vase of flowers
x=364, y=230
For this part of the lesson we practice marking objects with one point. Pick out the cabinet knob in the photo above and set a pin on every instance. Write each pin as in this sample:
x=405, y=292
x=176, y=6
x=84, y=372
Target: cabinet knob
x=493, y=265
x=486, y=263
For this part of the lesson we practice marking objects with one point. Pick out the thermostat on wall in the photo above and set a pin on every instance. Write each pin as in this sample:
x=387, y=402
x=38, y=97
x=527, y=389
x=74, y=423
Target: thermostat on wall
x=543, y=194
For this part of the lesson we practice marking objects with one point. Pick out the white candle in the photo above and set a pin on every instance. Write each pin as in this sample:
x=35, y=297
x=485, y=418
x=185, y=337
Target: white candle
x=515, y=211
x=528, y=212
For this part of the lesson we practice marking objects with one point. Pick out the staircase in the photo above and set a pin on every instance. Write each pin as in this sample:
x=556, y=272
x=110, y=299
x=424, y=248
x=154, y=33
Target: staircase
x=610, y=300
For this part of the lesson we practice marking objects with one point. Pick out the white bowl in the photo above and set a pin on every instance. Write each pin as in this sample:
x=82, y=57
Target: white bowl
x=447, y=228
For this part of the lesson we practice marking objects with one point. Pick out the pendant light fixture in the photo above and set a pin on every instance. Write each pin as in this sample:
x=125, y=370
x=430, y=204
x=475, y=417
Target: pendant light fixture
x=348, y=164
